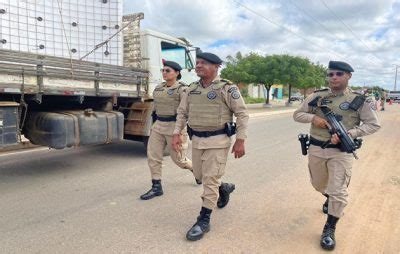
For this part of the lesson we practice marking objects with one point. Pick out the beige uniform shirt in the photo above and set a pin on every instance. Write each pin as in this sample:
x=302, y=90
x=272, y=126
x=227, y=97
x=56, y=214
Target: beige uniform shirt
x=236, y=105
x=367, y=113
x=167, y=128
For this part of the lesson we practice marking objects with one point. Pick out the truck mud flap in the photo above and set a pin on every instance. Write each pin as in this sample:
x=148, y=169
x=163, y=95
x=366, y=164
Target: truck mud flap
x=8, y=123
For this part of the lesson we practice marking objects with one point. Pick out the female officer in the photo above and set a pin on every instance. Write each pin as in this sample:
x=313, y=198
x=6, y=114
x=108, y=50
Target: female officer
x=167, y=97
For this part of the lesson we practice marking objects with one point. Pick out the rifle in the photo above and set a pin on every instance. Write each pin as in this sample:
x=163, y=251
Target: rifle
x=347, y=144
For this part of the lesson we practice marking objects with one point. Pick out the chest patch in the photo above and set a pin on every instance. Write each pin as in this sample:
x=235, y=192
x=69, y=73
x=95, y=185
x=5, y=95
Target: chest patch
x=170, y=91
x=194, y=92
x=211, y=95
x=159, y=89
x=344, y=105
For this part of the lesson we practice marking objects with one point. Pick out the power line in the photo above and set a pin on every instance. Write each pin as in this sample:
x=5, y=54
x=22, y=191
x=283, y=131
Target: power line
x=316, y=21
x=351, y=30
x=285, y=28
x=312, y=17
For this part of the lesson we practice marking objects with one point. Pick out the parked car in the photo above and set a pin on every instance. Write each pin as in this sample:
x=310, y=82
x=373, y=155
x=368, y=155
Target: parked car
x=297, y=97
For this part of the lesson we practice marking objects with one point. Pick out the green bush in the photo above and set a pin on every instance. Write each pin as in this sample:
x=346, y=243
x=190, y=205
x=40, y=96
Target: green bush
x=244, y=91
x=249, y=100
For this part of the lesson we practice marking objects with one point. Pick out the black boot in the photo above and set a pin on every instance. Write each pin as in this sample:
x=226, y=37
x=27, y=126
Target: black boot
x=325, y=205
x=156, y=190
x=328, y=234
x=224, y=191
x=201, y=226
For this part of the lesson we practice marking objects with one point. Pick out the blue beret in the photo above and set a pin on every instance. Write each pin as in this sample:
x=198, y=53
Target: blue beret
x=173, y=65
x=337, y=65
x=209, y=57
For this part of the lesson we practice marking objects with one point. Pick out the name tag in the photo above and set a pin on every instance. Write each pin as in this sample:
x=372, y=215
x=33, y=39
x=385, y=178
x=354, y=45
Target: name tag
x=195, y=92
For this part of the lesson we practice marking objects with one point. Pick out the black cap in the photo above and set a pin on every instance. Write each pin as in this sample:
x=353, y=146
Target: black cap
x=209, y=57
x=337, y=65
x=173, y=65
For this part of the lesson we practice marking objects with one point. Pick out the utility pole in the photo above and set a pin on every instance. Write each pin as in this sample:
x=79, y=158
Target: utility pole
x=395, y=78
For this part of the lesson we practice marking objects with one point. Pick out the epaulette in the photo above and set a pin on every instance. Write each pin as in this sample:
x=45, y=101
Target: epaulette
x=358, y=93
x=193, y=85
x=321, y=90
x=227, y=81
x=182, y=83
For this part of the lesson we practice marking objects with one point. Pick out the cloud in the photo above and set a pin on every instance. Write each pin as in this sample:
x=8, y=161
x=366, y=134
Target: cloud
x=362, y=32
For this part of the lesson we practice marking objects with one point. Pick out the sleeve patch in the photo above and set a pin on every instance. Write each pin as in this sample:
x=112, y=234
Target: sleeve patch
x=235, y=95
x=233, y=88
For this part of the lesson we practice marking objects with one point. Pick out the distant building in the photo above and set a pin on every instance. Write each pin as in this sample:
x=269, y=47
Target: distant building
x=36, y=26
x=259, y=91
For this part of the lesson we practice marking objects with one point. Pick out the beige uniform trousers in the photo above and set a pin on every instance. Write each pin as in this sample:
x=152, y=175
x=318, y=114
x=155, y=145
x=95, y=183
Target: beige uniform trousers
x=330, y=172
x=209, y=166
x=155, y=153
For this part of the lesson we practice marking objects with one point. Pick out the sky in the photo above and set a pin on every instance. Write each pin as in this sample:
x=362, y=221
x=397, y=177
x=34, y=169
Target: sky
x=365, y=34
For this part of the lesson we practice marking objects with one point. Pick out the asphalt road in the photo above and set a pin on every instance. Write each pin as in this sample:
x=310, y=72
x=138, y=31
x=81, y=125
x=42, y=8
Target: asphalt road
x=86, y=200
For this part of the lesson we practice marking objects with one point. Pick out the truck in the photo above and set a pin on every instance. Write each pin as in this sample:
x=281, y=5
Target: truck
x=394, y=96
x=60, y=102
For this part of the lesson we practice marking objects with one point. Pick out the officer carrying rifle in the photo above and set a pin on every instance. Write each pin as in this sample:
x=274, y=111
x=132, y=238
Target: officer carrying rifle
x=338, y=117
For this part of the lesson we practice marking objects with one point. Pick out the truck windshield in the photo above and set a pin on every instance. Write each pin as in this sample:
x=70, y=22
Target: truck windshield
x=177, y=54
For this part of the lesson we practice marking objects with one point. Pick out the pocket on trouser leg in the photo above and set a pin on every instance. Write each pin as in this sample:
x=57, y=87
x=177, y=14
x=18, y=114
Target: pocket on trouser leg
x=309, y=172
x=221, y=164
x=347, y=177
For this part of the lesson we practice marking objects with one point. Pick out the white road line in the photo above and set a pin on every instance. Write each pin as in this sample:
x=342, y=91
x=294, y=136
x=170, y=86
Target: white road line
x=26, y=150
x=262, y=114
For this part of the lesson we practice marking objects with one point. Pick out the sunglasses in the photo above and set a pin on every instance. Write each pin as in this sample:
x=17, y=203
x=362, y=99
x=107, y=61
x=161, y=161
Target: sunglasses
x=337, y=73
x=166, y=70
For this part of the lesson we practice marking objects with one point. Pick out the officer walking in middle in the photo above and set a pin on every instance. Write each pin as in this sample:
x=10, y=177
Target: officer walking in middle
x=208, y=107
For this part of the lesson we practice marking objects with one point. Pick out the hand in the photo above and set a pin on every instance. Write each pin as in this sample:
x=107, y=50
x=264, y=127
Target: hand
x=320, y=122
x=238, y=148
x=177, y=142
x=335, y=139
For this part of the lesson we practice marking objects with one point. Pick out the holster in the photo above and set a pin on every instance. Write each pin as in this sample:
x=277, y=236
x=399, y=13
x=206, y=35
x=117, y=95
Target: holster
x=230, y=129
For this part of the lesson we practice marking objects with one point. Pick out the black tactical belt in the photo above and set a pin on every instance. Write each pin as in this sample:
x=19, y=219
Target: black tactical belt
x=166, y=119
x=206, y=134
x=322, y=144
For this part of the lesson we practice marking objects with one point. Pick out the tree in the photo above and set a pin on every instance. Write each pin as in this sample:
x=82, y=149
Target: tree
x=233, y=70
x=272, y=69
x=260, y=70
x=315, y=76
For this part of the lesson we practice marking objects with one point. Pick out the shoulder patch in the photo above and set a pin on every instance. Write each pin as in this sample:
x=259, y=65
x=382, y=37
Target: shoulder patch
x=233, y=88
x=235, y=95
x=371, y=102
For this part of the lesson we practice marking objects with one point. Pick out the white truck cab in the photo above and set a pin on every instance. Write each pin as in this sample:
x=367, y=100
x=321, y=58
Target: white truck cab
x=156, y=47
